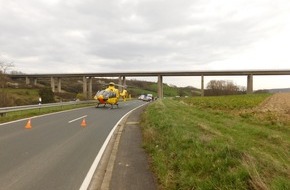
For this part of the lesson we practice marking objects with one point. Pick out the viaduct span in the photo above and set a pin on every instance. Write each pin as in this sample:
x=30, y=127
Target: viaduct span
x=88, y=77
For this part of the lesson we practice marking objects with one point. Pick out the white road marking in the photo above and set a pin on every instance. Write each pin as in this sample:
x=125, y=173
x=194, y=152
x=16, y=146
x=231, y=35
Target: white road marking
x=77, y=119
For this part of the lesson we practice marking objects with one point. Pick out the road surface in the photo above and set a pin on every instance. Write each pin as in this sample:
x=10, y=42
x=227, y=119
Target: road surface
x=57, y=152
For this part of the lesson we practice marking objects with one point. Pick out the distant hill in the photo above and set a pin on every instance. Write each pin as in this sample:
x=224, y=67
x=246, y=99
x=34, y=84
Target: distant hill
x=275, y=90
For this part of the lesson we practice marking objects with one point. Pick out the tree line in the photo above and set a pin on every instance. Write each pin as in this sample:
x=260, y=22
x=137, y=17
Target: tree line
x=5, y=100
x=223, y=87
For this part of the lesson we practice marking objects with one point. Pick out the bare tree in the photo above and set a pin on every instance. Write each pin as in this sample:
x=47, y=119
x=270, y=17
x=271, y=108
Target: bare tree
x=5, y=66
x=5, y=100
x=221, y=87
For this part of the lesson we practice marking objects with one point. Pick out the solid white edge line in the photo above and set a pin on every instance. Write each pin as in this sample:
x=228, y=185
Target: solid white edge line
x=94, y=166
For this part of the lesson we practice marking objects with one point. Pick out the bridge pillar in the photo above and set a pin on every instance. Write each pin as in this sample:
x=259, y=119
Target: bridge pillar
x=35, y=81
x=27, y=81
x=90, y=87
x=52, y=84
x=122, y=82
x=160, y=86
x=250, y=84
x=202, y=85
x=85, y=89
x=58, y=84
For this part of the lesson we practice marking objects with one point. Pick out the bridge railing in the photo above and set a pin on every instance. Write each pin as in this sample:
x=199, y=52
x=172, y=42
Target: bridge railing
x=5, y=110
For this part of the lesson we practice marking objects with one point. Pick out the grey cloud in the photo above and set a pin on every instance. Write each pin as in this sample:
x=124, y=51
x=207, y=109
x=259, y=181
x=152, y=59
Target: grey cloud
x=89, y=34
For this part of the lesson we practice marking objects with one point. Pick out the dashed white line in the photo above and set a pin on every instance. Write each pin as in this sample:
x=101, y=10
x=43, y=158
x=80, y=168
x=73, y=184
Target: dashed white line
x=77, y=119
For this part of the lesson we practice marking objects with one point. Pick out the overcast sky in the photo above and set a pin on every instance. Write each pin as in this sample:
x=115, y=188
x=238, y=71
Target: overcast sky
x=69, y=36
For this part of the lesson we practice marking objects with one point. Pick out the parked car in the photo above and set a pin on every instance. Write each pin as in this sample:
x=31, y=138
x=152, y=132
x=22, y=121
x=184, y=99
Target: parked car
x=146, y=97
x=141, y=97
x=149, y=97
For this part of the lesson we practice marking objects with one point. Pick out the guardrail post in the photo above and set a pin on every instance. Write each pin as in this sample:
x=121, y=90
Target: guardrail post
x=39, y=107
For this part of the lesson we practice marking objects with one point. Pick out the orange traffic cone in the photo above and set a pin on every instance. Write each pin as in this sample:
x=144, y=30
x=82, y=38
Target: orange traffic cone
x=28, y=124
x=83, y=124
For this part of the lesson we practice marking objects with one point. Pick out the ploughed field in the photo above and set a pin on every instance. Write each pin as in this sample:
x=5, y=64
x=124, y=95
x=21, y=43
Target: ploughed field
x=279, y=103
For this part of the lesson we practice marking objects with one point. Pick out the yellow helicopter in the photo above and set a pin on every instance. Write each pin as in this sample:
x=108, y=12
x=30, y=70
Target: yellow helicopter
x=110, y=95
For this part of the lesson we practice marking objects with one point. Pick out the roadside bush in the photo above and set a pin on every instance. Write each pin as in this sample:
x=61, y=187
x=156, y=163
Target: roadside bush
x=5, y=100
x=81, y=96
x=46, y=95
x=65, y=96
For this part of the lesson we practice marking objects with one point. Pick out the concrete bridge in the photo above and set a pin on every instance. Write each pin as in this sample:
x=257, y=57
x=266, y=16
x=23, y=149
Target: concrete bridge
x=88, y=77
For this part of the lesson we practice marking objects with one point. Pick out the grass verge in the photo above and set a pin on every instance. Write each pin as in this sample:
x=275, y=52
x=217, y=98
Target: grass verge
x=194, y=146
x=11, y=116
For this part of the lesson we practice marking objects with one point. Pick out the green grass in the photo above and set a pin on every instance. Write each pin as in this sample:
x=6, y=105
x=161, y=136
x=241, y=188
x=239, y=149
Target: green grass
x=22, y=96
x=232, y=102
x=194, y=146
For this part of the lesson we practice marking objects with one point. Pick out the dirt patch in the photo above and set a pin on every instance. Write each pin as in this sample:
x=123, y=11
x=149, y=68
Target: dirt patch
x=279, y=102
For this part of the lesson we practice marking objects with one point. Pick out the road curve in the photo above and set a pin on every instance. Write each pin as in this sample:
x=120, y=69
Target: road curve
x=57, y=152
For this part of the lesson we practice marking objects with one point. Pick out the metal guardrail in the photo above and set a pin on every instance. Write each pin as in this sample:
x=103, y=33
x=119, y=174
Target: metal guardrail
x=5, y=110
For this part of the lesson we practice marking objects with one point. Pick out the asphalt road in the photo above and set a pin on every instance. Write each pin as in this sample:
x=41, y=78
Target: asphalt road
x=57, y=152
